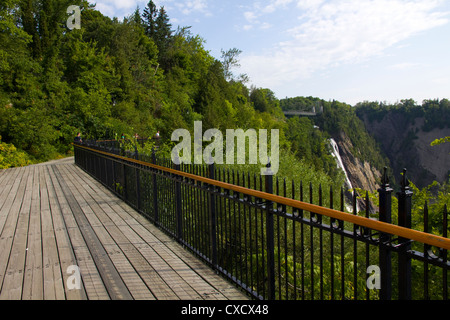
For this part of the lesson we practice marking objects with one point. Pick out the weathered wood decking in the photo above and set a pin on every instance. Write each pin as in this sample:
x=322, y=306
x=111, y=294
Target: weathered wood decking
x=54, y=217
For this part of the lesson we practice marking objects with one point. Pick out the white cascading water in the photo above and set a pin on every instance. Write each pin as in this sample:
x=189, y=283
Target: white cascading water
x=340, y=163
x=336, y=154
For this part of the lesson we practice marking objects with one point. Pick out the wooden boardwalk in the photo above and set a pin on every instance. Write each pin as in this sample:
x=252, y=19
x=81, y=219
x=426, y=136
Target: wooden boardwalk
x=64, y=236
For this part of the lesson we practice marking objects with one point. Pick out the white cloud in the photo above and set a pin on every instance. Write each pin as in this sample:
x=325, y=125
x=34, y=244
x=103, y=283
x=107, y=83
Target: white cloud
x=331, y=33
x=276, y=4
x=189, y=6
x=254, y=13
x=119, y=8
x=404, y=66
x=126, y=7
x=250, y=16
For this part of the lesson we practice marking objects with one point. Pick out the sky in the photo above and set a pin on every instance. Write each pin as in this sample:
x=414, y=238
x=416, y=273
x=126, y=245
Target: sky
x=345, y=50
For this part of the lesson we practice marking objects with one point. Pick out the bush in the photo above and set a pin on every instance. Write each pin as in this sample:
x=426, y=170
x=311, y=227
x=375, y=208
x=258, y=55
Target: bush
x=10, y=157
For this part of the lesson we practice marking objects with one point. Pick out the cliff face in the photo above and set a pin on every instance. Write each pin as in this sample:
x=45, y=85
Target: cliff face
x=361, y=173
x=408, y=146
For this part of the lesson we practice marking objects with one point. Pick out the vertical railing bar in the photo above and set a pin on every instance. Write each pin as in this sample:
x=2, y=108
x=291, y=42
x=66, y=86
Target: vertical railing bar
x=250, y=234
x=220, y=219
x=404, y=220
x=366, y=233
x=257, y=247
x=189, y=212
x=270, y=238
x=263, y=241
x=201, y=243
x=124, y=176
x=285, y=242
x=425, y=252
x=320, y=221
x=444, y=254
x=155, y=191
x=205, y=214
x=166, y=190
x=238, y=174
x=332, y=222
x=199, y=213
x=230, y=242
x=302, y=242
x=311, y=242
x=277, y=187
x=294, y=249
x=355, y=252
x=233, y=203
x=385, y=198
x=194, y=215
x=246, y=201
x=213, y=217
x=200, y=219
x=342, y=250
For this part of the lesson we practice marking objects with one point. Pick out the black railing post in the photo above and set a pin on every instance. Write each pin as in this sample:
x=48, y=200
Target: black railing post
x=138, y=180
x=124, y=176
x=155, y=191
x=178, y=209
x=404, y=220
x=385, y=199
x=444, y=253
x=213, y=217
x=270, y=235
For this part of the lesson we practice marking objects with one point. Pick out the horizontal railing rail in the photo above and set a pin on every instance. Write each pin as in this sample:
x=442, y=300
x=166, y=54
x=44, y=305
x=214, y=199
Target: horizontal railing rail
x=273, y=246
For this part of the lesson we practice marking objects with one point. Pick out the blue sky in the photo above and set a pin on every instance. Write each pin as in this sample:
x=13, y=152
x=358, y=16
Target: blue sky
x=347, y=50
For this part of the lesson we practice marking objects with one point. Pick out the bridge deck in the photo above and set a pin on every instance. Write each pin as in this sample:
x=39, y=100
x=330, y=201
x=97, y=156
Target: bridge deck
x=55, y=220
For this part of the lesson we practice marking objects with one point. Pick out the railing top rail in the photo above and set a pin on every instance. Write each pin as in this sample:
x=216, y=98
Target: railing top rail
x=425, y=238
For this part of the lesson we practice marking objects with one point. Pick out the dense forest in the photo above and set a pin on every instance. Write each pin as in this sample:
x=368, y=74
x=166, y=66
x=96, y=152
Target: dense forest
x=112, y=77
x=143, y=75
x=436, y=113
x=140, y=75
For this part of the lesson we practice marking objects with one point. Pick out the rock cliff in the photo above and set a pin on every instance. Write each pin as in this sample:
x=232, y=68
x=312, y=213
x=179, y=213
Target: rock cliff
x=361, y=173
x=408, y=146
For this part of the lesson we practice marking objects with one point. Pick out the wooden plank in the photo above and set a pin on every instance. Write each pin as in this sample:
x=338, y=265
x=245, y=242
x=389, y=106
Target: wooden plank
x=8, y=193
x=92, y=282
x=65, y=250
x=127, y=260
x=17, y=231
x=169, y=279
x=53, y=286
x=8, y=221
x=203, y=279
x=177, y=274
x=33, y=287
x=4, y=181
x=111, y=278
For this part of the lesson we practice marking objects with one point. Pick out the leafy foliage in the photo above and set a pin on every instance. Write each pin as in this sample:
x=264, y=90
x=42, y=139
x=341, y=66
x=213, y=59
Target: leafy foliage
x=10, y=157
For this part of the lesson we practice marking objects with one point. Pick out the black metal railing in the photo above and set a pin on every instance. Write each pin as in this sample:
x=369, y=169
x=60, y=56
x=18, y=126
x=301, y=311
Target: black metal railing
x=270, y=239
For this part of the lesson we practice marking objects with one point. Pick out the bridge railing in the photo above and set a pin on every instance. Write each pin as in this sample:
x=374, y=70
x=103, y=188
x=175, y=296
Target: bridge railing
x=278, y=247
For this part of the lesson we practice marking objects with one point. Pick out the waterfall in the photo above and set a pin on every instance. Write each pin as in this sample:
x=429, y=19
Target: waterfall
x=335, y=153
x=337, y=156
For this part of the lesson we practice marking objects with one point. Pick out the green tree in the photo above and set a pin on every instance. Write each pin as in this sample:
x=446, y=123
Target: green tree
x=163, y=31
x=149, y=19
x=230, y=60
